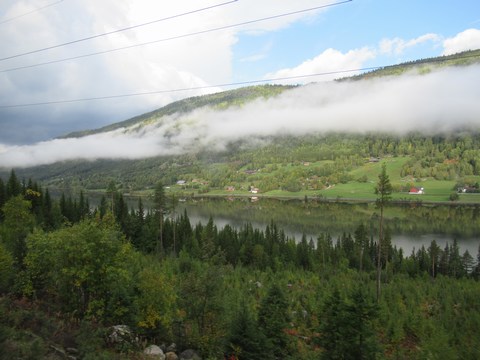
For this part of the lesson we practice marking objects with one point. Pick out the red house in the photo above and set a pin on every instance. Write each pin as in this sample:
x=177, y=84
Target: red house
x=416, y=191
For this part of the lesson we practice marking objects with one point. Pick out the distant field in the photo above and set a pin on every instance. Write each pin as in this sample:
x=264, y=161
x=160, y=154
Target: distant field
x=435, y=190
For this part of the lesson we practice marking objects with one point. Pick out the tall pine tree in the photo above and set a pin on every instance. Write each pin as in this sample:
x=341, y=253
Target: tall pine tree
x=273, y=321
x=384, y=190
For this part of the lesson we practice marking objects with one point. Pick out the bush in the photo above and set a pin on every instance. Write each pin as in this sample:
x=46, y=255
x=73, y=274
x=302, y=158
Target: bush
x=6, y=269
x=454, y=196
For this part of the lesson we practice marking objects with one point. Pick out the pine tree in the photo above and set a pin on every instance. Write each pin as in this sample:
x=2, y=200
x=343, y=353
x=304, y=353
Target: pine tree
x=346, y=327
x=272, y=321
x=384, y=191
x=467, y=263
x=48, y=216
x=361, y=241
x=434, y=252
x=3, y=197
x=332, y=327
x=103, y=207
x=476, y=270
x=360, y=332
x=160, y=202
x=245, y=342
x=13, y=186
x=455, y=261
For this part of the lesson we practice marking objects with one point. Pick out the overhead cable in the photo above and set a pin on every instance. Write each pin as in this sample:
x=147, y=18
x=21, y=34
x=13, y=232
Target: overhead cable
x=201, y=32
x=232, y=84
x=118, y=30
x=30, y=12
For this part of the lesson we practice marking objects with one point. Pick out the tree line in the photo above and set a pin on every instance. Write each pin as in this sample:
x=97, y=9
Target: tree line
x=278, y=163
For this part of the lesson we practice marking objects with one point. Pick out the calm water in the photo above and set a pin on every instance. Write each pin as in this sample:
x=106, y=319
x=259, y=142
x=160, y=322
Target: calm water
x=411, y=226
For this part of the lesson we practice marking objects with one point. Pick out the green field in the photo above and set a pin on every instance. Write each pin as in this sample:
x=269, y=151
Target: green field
x=435, y=190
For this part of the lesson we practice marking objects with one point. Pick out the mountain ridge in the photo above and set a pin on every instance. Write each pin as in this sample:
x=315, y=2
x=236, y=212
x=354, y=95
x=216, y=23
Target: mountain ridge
x=243, y=95
x=219, y=99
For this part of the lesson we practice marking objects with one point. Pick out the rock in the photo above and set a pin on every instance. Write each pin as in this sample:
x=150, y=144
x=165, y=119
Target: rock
x=120, y=334
x=72, y=350
x=171, y=356
x=59, y=351
x=172, y=347
x=189, y=355
x=154, y=351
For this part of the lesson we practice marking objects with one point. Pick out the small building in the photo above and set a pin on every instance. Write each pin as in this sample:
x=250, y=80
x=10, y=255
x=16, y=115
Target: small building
x=181, y=182
x=416, y=191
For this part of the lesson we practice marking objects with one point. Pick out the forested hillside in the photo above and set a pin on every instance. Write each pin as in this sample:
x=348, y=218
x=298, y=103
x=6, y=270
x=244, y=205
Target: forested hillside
x=219, y=100
x=71, y=274
x=422, y=66
x=325, y=165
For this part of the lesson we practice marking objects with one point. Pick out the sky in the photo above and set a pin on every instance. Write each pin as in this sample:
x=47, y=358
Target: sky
x=186, y=52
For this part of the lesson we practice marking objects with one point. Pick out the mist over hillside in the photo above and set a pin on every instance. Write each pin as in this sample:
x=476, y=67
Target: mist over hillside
x=438, y=101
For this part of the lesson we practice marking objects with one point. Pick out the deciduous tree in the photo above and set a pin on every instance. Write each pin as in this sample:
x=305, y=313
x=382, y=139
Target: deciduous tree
x=18, y=222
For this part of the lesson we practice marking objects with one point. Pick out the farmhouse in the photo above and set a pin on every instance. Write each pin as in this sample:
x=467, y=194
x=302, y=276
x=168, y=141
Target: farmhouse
x=416, y=191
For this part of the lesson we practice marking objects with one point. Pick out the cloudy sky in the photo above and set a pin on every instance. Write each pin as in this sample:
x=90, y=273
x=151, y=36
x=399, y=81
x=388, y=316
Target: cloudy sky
x=185, y=51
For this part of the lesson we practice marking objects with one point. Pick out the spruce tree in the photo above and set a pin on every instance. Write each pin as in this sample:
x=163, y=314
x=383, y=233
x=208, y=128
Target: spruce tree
x=332, y=327
x=160, y=202
x=3, y=197
x=245, y=341
x=360, y=314
x=272, y=321
x=347, y=327
x=13, y=186
x=384, y=190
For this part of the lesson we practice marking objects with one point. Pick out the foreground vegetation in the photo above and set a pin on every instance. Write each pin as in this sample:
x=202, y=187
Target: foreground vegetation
x=67, y=274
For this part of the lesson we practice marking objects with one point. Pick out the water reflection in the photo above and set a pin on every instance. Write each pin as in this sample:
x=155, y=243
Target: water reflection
x=411, y=225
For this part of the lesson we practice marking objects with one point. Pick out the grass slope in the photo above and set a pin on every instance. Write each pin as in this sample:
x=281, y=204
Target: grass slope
x=219, y=100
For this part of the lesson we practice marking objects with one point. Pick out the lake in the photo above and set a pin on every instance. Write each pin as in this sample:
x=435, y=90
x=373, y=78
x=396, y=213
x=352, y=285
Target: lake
x=411, y=225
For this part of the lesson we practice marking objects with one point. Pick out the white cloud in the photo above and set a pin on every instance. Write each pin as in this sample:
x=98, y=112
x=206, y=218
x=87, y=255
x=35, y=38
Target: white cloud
x=438, y=101
x=397, y=46
x=181, y=63
x=330, y=60
x=260, y=55
x=466, y=40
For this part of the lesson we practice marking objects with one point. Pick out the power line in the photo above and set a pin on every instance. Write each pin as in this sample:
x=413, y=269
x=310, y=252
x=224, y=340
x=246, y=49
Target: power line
x=30, y=12
x=240, y=83
x=232, y=84
x=177, y=36
x=117, y=31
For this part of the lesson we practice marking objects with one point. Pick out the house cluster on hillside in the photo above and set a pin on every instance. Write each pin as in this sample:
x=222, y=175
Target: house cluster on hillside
x=468, y=190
